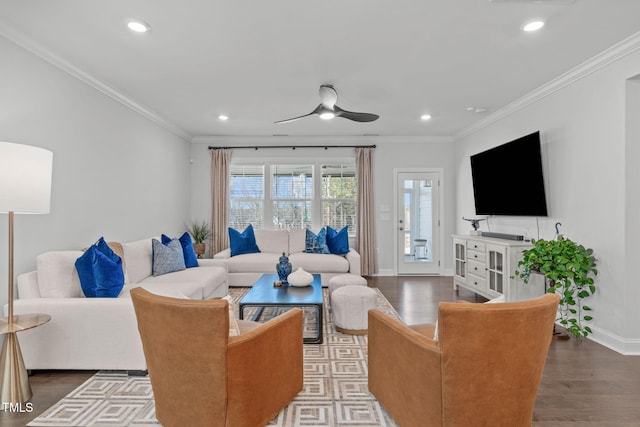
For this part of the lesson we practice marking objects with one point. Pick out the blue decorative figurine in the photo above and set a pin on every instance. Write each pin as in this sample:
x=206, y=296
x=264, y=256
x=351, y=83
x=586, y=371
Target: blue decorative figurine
x=283, y=268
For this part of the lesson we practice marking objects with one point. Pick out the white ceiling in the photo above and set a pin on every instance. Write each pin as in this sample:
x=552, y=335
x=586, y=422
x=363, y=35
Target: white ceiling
x=262, y=61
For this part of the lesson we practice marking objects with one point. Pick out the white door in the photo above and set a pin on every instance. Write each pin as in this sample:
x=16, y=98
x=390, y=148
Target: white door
x=418, y=222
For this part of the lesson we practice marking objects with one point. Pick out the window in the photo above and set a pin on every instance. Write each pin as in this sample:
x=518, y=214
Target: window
x=339, y=196
x=246, y=196
x=299, y=195
x=292, y=196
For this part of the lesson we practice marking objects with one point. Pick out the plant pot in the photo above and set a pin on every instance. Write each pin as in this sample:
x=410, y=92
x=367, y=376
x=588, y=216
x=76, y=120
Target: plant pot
x=199, y=248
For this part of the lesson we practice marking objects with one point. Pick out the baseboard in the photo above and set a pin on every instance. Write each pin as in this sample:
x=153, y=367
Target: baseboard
x=627, y=347
x=390, y=272
x=384, y=272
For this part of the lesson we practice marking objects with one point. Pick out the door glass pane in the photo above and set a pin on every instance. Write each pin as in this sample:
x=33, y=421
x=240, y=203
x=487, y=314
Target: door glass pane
x=417, y=223
x=499, y=261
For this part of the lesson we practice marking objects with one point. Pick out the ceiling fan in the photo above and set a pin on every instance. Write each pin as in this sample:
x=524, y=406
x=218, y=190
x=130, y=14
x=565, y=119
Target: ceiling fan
x=328, y=108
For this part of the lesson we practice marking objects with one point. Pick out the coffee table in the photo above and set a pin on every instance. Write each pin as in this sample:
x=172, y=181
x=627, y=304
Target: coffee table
x=264, y=294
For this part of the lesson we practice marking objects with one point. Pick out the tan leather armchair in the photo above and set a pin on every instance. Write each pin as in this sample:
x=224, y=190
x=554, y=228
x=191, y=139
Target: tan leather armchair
x=484, y=370
x=203, y=377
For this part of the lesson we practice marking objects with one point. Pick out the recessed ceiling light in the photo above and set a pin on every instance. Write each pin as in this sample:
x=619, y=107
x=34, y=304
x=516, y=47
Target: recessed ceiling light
x=138, y=26
x=425, y=117
x=533, y=26
x=223, y=117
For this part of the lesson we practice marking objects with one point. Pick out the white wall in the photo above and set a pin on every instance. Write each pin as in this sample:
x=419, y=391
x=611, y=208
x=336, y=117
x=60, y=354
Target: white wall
x=115, y=173
x=390, y=153
x=632, y=211
x=585, y=154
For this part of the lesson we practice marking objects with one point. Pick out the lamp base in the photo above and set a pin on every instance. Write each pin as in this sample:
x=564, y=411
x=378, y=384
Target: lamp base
x=14, y=380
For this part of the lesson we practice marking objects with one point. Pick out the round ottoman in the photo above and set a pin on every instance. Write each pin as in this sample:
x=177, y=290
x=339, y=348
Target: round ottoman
x=345, y=280
x=350, y=306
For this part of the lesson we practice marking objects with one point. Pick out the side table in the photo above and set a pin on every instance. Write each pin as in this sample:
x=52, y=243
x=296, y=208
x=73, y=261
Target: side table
x=14, y=380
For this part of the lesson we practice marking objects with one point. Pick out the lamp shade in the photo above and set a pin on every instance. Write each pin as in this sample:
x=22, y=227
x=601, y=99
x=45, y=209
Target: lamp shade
x=25, y=178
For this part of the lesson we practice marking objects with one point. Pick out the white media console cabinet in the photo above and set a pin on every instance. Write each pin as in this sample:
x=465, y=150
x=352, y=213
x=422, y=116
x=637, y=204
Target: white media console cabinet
x=485, y=265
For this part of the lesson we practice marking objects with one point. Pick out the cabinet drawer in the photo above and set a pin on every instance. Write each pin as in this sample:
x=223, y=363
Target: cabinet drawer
x=476, y=282
x=476, y=268
x=476, y=246
x=473, y=255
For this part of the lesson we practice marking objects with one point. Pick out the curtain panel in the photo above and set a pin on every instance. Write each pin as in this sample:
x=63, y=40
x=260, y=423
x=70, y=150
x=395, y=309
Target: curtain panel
x=366, y=230
x=220, y=160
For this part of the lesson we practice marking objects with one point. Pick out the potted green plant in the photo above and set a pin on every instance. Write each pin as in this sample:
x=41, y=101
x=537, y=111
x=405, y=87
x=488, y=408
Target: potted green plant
x=200, y=232
x=569, y=269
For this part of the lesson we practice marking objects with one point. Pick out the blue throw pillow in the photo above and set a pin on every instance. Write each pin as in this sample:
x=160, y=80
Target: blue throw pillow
x=109, y=276
x=316, y=244
x=243, y=243
x=190, y=257
x=84, y=266
x=100, y=271
x=166, y=258
x=338, y=241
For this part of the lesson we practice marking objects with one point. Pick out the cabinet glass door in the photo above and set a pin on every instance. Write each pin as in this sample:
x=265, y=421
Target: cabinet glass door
x=460, y=259
x=496, y=271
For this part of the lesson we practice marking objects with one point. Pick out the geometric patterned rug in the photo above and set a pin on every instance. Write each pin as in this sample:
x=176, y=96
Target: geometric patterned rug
x=335, y=391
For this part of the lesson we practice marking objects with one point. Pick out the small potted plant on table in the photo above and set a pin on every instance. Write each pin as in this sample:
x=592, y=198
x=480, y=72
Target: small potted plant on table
x=568, y=269
x=200, y=232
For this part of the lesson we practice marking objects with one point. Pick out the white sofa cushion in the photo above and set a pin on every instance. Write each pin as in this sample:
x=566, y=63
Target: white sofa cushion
x=319, y=263
x=272, y=241
x=166, y=289
x=254, y=263
x=297, y=240
x=137, y=256
x=207, y=279
x=57, y=274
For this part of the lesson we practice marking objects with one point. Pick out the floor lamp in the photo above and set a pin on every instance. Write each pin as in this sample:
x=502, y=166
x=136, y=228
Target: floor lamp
x=25, y=187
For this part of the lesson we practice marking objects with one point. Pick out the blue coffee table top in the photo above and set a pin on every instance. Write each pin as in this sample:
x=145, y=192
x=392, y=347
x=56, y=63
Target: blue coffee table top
x=263, y=293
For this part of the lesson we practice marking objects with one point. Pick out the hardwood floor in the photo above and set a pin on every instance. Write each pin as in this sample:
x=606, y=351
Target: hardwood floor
x=584, y=383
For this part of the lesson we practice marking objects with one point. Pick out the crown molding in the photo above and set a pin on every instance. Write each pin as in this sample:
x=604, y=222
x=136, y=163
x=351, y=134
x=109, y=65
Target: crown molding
x=315, y=140
x=38, y=50
x=613, y=54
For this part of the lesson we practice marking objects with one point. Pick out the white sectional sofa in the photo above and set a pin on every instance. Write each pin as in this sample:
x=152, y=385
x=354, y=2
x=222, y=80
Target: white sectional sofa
x=100, y=333
x=246, y=269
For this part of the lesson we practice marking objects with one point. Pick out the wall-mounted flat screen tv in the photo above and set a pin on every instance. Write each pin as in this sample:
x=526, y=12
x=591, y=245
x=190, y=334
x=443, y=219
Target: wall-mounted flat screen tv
x=508, y=179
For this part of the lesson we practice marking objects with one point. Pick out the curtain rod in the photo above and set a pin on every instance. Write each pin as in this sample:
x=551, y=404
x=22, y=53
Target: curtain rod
x=293, y=147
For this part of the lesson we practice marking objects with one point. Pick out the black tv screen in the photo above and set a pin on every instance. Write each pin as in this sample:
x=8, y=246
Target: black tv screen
x=508, y=180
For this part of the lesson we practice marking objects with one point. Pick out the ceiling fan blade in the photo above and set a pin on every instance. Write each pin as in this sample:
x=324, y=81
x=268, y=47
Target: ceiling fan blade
x=316, y=111
x=356, y=117
x=292, y=119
